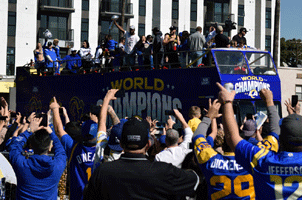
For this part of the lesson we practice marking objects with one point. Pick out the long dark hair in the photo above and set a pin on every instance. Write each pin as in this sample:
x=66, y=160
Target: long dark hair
x=86, y=43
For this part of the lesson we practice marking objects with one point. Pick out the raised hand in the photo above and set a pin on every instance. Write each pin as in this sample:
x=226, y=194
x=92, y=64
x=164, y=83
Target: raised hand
x=224, y=95
x=289, y=107
x=54, y=104
x=170, y=122
x=214, y=109
x=267, y=96
x=111, y=94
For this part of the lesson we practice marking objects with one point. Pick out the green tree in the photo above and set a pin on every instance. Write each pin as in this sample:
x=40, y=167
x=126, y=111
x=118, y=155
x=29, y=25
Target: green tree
x=291, y=52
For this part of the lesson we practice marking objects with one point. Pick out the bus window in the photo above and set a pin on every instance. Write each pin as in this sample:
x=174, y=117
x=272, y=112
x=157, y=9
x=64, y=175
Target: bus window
x=231, y=62
x=261, y=63
x=278, y=106
x=261, y=106
x=245, y=107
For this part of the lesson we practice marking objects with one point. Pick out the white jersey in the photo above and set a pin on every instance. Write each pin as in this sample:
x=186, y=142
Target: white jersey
x=131, y=41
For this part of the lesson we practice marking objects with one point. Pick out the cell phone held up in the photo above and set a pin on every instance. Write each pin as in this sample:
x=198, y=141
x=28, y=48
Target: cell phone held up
x=294, y=100
x=44, y=119
x=61, y=111
x=120, y=93
x=169, y=112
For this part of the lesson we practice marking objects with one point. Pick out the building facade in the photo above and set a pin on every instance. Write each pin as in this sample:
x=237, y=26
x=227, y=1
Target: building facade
x=72, y=21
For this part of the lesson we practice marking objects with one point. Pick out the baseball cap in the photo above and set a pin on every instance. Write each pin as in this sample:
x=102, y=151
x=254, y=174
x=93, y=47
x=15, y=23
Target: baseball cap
x=132, y=27
x=291, y=130
x=219, y=28
x=89, y=130
x=73, y=49
x=243, y=30
x=116, y=136
x=172, y=28
x=135, y=132
x=249, y=128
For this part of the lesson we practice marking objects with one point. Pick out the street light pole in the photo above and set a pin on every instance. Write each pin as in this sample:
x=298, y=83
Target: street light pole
x=276, y=33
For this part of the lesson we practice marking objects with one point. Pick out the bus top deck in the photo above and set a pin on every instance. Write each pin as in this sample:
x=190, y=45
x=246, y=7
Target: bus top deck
x=151, y=92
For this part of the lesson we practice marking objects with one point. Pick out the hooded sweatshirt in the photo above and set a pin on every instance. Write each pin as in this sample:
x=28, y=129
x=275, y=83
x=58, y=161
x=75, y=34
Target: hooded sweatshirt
x=39, y=175
x=158, y=42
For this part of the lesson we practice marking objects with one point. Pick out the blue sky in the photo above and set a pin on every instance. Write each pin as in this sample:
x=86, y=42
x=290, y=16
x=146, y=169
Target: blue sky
x=291, y=19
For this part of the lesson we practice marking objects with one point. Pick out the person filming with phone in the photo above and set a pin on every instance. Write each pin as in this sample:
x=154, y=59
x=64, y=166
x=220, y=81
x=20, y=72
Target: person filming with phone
x=176, y=153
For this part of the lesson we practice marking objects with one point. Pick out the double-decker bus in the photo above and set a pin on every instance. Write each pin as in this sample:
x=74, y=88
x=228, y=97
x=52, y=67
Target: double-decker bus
x=151, y=92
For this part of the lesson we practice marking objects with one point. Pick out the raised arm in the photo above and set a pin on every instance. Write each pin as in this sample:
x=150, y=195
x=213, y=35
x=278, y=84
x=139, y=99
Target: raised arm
x=214, y=128
x=187, y=130
x=267, y=97
x=113, y=116
x=230, y=125
x=103, y=114
x=206, y=121
x=118, y=26
x=57, y=122
x=67, y=120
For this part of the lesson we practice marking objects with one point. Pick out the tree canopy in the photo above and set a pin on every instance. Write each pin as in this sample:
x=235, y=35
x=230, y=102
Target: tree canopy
x=291, y=52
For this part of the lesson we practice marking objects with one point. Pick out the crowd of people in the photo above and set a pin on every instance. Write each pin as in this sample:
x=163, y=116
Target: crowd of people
x=135, y=158
x=132, y=52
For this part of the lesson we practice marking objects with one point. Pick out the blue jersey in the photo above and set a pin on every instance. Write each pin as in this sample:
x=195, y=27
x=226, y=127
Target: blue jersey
x=226, y=179
x=276, y=175
x=80, y=160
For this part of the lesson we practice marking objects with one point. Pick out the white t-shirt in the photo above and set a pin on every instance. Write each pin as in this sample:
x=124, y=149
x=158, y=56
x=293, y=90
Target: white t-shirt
x=84, y=51
x=130, y=42
x=176, y=155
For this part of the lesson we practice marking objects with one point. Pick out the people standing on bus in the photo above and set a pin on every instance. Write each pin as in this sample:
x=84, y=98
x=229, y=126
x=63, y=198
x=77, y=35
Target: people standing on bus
x=73, y=61
x=158, y=48
x=50, y=57
x=210, y=36
x=39, y=58
x=221, y=40
x=85, y=53
x=111, y=44
x=184, y=47
x=171, y=43
x=148, y=58
x=140, y=50
x=197, y=41
x=240, y=36
x=130, y=42
x=57, y=50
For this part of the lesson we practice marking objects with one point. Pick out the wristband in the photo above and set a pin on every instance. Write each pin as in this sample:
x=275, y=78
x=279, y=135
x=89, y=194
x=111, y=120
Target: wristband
x=227, y=101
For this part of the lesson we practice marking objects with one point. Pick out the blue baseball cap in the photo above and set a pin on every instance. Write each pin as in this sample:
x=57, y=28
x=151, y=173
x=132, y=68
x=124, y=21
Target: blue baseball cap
x=89, y=130
x=116, y=136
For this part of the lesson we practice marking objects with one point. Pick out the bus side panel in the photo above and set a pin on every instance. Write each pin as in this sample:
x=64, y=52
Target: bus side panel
x=147, y=93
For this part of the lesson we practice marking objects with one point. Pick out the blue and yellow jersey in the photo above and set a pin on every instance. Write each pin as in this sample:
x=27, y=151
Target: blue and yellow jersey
x=270, y=142
x=80, y=162
x=226, y=179
x=276, y=175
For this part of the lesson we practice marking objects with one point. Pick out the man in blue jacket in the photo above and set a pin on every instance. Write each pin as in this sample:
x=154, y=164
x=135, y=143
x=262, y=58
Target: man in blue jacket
x=39, y=175
x=73, y=61
x=50, y=58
